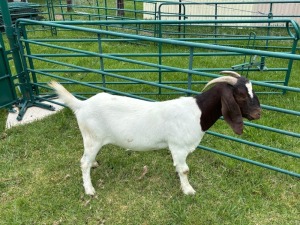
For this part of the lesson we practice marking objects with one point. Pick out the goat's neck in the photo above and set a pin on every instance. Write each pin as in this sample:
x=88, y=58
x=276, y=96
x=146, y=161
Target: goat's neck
x=210, y=105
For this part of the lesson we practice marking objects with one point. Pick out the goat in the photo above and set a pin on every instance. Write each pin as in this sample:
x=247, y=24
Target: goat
x=177, y=124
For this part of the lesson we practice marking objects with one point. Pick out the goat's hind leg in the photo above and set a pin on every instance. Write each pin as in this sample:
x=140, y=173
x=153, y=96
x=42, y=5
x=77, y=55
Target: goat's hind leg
x=91, y=149
x=179, y=159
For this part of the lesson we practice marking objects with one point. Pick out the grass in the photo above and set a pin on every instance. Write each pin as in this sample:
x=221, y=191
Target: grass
x=40, y=182
x=40, y=177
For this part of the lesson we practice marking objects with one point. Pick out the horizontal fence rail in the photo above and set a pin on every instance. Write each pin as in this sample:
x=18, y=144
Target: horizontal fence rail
x=156, y=68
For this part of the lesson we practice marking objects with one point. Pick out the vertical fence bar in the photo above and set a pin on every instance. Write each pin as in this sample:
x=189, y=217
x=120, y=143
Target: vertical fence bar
x=191, y=59
x=106, y=9
x=216, y=18
x=106, y=12
x=61, y=10
x=101, y=59
x=51, y=15
x=99, y=13
x=290, y=65
x=135, y=10
x=179, y=18
x=270, y=16
x=24, y=33
x=137, y=27
x=159, y=63
x=98, y=9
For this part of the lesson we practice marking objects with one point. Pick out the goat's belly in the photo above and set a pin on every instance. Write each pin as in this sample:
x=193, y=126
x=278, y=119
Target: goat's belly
x=136, y=144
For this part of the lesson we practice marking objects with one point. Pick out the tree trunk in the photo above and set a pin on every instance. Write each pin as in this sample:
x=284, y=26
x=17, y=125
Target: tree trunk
x=120, y=8
x=69, y=5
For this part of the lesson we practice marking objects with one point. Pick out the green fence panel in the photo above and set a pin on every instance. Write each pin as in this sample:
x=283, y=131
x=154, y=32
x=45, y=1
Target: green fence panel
x=87, y=60
x=249, y=60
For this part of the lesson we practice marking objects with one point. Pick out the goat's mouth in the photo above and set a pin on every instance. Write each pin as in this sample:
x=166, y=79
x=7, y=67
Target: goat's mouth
x=254, y=116
x=250, y=118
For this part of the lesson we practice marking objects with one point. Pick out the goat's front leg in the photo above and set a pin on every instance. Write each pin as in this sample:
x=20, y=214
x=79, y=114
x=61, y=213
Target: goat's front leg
x=179, y=159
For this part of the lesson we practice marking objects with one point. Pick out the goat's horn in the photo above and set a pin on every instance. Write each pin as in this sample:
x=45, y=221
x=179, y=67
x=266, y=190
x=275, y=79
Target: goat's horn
x=231, y=73
x=229, y=80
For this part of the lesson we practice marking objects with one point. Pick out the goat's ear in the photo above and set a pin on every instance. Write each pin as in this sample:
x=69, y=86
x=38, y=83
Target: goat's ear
x=231, y=112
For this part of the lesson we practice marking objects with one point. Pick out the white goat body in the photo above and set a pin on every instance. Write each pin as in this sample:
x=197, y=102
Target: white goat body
x=135, y=125
x=178, y=124
x=140, y=125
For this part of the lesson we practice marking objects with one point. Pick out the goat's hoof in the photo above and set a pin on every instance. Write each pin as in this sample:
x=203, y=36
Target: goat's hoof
x=95, y=164
x=189, y=191
x=90, y=191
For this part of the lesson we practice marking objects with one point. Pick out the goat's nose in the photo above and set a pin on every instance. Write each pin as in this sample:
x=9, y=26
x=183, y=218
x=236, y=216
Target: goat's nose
x=258, y=113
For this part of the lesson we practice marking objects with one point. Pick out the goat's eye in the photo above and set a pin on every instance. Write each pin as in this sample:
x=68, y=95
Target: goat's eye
x=240, y=98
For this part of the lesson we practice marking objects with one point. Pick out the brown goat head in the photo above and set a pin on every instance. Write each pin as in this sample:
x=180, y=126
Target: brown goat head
x=236, y=99
x=240, y=101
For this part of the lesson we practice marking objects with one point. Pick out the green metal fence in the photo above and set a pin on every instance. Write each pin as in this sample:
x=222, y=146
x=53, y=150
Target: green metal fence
x=269, y=39
x=88, y=59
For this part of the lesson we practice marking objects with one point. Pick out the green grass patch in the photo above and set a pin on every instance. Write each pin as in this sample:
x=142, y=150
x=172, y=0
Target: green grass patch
x=40, y=181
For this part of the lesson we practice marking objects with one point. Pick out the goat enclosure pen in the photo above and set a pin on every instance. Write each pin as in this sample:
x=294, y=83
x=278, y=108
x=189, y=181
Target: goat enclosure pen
x=152, y=60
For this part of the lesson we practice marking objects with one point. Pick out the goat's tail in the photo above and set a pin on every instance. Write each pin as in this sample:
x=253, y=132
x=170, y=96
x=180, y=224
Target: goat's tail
x=65, y=96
